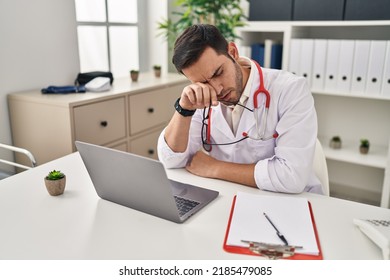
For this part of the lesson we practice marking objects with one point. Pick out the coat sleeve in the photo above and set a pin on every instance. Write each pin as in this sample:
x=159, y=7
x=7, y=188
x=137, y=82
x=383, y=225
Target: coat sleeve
x=290, y=169
x=171, y=159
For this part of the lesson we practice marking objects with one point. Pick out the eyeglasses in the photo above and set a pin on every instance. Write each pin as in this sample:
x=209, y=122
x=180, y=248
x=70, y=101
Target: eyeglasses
x=259, y=135
x=206, y=130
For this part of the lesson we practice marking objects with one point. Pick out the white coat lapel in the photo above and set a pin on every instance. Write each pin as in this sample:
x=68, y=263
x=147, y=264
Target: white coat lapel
x=219, y=126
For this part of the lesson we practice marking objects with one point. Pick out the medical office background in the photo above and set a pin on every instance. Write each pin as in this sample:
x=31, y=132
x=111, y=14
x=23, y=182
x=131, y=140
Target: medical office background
x=42, y=43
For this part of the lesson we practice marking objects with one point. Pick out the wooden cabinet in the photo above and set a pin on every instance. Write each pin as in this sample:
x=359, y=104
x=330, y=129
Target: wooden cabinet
x=101, y=122
x=352, y=116
x=152, y=108
x=129, y=117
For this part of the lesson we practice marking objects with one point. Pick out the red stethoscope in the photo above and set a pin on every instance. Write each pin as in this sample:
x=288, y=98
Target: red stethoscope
x=260, y=130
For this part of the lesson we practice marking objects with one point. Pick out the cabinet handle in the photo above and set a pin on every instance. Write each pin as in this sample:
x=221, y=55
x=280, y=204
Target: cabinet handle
x=150, y=110
x=104, y=123
x=151, y=152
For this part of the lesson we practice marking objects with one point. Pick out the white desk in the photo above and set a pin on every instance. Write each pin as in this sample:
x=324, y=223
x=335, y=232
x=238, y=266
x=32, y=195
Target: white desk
x=79, y=225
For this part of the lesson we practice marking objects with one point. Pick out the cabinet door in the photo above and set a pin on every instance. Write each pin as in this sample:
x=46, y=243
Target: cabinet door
x=101, y=122
x=152, y=108
x=146, y=145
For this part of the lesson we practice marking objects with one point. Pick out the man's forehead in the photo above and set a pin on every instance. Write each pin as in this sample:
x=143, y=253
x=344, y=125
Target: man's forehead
x=205, y=67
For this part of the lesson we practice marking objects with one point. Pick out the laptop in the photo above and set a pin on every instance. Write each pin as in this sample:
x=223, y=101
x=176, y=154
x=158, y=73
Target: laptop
x=141, y=183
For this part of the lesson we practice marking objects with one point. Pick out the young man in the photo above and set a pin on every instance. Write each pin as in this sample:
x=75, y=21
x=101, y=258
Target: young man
x=213, y=135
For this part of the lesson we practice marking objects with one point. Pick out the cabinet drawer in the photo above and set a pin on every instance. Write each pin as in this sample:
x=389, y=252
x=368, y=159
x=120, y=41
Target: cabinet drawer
x=152, y=108
x=146, y=145
x=102, y=122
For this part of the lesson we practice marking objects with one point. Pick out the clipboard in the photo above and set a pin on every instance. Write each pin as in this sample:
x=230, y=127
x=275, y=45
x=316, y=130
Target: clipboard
x=248, y=251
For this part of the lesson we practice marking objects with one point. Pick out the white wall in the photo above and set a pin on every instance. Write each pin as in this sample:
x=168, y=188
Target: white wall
x=153, y=48
x=158, y=47
x=38, y=47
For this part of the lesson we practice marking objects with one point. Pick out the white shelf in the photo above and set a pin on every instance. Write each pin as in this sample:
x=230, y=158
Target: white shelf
x=376, y=157
x=351, y=94
x=352, y=115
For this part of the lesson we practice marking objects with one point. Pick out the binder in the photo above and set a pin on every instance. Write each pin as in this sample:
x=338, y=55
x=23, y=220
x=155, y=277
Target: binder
x=366, y=10
x=295, y=51
x=267, y=52
x=276, y=56
x=331, y=70
x=319, y=60
x=345, y=65
x=258, y=53
x=260, y=10
x=386, y=73
x=247, y=250
x=272, y=54
x=304, y=10
x=375, y=67
x=306, y=60
x=360, y=65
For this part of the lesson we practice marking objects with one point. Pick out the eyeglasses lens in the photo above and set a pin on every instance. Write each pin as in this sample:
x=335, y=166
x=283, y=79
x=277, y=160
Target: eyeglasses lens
x=205, y=140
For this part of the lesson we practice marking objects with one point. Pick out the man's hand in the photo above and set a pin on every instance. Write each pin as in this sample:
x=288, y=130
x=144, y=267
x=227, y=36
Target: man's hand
x=198, y=96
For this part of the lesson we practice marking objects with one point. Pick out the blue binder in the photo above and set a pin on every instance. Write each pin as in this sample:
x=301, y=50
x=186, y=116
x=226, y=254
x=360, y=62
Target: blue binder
x=276, y=56
x=258, y=53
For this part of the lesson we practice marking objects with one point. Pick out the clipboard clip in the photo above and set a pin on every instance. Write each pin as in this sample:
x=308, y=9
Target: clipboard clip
x=272, y=251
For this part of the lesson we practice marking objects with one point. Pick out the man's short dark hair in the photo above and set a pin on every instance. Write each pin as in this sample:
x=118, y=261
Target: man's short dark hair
x=190, y=45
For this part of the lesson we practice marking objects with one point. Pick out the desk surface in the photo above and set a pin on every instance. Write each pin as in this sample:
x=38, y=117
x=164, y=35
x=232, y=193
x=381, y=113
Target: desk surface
x=80, y=225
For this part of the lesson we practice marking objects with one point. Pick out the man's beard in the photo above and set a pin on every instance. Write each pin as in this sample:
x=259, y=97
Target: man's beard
x=238, y=86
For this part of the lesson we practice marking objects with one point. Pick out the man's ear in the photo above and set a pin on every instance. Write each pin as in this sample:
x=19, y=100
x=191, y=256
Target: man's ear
x=232, y=50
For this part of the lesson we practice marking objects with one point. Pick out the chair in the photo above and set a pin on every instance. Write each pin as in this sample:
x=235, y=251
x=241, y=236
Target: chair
x=320, y=167
x=30, y=156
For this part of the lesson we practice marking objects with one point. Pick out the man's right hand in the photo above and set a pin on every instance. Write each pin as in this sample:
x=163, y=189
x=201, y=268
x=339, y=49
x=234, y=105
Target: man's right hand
x=198, y=96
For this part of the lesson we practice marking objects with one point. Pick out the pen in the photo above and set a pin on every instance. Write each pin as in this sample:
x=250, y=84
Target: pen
x=277, y=231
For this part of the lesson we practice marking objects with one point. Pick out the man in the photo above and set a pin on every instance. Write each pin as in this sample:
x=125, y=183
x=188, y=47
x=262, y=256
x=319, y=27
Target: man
x=271, y=151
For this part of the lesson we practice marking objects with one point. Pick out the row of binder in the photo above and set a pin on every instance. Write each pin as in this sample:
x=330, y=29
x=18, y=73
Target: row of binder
x=345, y=66
x=267, y=54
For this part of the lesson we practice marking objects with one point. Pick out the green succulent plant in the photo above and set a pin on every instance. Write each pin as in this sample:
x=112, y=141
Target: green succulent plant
x=336, y=138
x=364, y=143
x=55, y=175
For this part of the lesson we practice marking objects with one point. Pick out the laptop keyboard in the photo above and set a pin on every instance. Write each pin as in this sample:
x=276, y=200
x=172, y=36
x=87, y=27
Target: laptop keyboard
x=184, y=205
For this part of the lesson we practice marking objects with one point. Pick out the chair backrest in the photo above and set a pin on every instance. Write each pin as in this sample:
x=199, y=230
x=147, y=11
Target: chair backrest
x=320, y=167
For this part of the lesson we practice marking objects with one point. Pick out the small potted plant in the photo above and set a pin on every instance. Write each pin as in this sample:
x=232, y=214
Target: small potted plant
x=55, y=182
x=364, y=146
x=335, y=142
x=157, y=71
x=134, y=75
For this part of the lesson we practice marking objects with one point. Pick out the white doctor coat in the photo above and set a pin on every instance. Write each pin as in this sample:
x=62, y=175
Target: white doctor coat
x=283, y=164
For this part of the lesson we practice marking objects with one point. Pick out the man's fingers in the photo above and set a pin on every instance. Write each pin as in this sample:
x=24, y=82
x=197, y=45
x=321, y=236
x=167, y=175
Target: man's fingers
x=198, y=96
